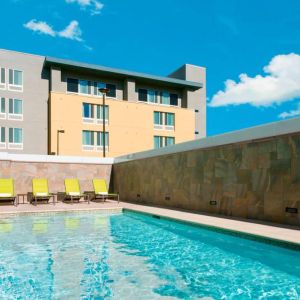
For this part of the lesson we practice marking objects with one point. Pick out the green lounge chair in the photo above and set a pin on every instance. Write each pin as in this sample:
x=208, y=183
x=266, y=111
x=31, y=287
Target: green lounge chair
x=101, y=191
x=7, y=190
x=73, y=190
x=40, y=191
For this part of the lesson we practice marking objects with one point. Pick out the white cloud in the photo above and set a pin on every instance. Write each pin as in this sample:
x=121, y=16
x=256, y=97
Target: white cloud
x=280, y=84
x=40, y=27
x=94, y=6
x=72, y=32
x=291, y=113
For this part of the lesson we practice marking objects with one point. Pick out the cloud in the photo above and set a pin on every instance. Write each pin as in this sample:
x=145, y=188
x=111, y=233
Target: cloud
x=280, y=84
x=71, y=32
x=291, y=113
x=40, y=27
x=94, y=6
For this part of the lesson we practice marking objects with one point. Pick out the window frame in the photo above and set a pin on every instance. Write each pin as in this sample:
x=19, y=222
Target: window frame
x=2, y=143
x=163, y=141
x=13, y=144
x=163, y=121
x=14, y=116
x=2, y=113
x=75, y=79
x=94, y=141
x=3, y=84
x=15, y=87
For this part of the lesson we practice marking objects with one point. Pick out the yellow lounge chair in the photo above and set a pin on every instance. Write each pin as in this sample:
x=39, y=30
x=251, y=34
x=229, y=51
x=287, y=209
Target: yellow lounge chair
x=73, y=190
x=7, y=190
x=40, y=190
x=101, y=191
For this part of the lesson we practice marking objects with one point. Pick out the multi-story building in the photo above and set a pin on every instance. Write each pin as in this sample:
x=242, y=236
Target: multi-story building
x=55, y=106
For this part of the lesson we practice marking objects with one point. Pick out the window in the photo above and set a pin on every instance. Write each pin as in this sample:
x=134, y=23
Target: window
x=165, y=98
x=174, y=99
x=2, y=78
x=158, y=118
x=2, y=109
x=90, y=87
x=143, y=95
x=164, y=120
x=2, y=138
x=98, y=86
x=93, y=113
x=169, y=141
x=163, y=141
x=72, y=85
x=93, y=140
x=151, y=96
x=100, y=139
x=84, y=87
x=15, y=80
x=87, y=110
x=112, y=93
x=15, y=109
x=169, y=119
x=87, y=138
x=15, y=138
x=158, y=142
x=100, y=112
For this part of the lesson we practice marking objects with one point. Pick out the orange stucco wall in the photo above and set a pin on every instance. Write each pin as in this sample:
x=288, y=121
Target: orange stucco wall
x=130, y=128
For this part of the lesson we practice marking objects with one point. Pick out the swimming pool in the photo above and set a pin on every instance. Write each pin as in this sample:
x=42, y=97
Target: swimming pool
x=134, y=256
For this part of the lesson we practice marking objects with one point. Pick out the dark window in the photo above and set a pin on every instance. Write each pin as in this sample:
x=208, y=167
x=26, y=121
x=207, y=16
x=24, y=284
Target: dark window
x=143, y=95
x=90, y=87
x=112, y=90
x=2, y=75
x=72, y=85
x=174, y=99
x=196, y=110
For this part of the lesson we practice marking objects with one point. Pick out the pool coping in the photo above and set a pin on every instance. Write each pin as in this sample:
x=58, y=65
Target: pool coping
x=62, y=211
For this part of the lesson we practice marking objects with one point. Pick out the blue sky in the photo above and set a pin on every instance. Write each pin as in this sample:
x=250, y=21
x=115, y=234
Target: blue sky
x=229, y=38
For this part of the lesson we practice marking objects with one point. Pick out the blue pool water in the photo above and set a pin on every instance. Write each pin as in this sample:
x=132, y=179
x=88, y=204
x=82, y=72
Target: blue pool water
x=133, y=256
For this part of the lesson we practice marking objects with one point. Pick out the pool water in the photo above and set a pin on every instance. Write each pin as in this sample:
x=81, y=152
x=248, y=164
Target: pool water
x=133, y=256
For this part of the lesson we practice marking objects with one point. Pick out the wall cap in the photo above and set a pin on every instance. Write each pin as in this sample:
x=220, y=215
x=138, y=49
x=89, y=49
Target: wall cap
x=245, y=135
x=55, y=159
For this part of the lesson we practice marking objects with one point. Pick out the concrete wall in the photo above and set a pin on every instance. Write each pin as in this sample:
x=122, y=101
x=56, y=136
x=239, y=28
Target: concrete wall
x=131, y=126
x=254, y=173
x=23, y=168
x=35, y=97
x=194, y=99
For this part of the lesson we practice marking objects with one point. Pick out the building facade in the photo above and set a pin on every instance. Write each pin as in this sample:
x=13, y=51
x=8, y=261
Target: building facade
x=62, y=107
x=24, y=97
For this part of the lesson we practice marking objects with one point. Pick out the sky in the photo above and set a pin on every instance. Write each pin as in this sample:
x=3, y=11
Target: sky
x=250, y=48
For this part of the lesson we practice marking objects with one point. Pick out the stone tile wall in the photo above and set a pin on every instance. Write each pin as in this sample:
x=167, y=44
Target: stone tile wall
x=24, y=172
x=255, y=180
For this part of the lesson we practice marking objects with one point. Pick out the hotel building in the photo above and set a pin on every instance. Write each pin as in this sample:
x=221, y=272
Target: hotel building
x=54, y=106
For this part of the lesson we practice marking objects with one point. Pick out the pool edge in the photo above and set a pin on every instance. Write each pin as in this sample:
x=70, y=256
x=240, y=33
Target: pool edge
x=246, y=235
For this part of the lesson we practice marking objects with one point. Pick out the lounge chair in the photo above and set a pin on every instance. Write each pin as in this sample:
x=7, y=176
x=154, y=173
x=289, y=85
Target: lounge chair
x=73, y=190
x=40, y=191
x=101, y=191
x=7, y=190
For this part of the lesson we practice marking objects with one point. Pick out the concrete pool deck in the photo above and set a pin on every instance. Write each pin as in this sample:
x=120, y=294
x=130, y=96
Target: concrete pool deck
x=272, y=231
